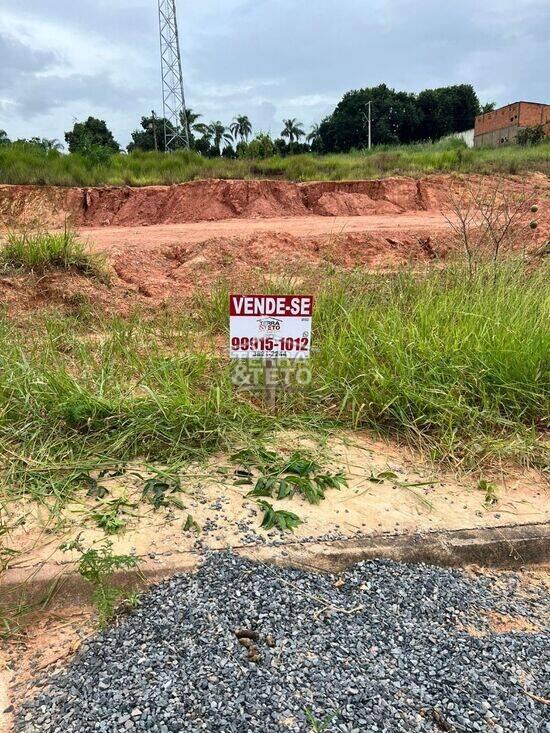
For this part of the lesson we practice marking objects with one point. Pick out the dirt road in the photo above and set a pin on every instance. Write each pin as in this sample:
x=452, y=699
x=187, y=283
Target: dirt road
x=114, y=239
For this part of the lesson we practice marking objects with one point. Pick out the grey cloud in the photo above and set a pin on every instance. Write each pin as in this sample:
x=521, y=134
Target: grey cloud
x=262, y=57
x=17, y=60
x=42, y=95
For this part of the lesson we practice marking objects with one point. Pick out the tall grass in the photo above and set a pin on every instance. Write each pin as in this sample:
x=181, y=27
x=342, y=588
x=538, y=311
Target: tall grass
x=22, y=164
x=458, y=366
x=41, y=251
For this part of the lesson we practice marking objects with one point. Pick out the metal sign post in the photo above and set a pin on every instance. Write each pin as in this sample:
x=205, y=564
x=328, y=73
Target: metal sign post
x=270, y=382
x=270, y=328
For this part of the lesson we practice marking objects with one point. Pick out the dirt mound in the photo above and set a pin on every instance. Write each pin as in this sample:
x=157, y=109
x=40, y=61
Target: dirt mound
x=214, y=200
x=172, y=273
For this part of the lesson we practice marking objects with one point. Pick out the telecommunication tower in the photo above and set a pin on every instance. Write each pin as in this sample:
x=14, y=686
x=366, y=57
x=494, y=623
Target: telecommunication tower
x=176, y=132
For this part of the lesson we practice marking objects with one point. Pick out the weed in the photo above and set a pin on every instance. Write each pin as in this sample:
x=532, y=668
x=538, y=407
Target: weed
x=41, y=251
x=285, y=521
x=379, y=478
x=457, y=367
x=160, y=491
x=190, y=525
x=109, y=518
x=319, y=726
x=109, y=522
x=97, y=565
x=283, y=478
x=490, y=491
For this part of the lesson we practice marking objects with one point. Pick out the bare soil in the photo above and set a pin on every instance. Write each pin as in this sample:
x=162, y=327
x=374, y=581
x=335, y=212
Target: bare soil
x=166, y=242
x=215, y=200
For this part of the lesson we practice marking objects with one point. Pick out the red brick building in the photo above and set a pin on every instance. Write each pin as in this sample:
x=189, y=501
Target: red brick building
x=501, y=125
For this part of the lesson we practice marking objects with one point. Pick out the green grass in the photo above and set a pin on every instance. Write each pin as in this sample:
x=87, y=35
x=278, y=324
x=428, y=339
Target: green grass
x=39, y=252
x=23, y=164
x=457, y=367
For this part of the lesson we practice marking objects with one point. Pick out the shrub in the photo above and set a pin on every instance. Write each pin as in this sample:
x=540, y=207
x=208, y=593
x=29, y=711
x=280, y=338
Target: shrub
x=531, y=135
x=260, y=147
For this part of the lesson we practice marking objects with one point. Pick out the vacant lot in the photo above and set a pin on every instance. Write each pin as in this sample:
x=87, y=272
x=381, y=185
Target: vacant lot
x=126, y=439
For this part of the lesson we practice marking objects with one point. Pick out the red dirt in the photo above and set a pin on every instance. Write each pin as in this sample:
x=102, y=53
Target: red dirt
x=165, y=242
x=171, y=268
x=213, y=200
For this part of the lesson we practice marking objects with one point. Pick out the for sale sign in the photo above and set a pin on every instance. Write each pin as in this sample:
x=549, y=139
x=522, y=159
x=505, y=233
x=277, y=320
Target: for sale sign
x=270, y=326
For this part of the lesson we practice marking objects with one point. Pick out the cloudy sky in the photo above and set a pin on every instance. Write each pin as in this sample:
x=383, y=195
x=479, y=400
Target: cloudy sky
x=62, y=60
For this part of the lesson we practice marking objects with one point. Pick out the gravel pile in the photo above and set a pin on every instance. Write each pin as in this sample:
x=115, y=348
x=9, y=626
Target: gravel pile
x=382, y=647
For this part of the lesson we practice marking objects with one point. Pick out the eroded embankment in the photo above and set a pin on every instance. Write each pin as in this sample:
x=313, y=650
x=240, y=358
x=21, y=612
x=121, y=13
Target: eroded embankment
x=211, y=200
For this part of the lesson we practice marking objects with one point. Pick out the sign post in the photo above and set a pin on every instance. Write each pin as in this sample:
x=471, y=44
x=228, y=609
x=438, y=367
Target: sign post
x=270, y=328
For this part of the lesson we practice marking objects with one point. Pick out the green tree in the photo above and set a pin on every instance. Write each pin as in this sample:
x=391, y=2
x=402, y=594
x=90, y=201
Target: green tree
x=313, y=135
x=4, y=139
x=203, y=144
x=446, y=110
x=292, y=130
x=48, y=145
x=219, y=134
x=487, y=107
x=51, y=144
x=395, y=118
x=241, y=127
x=93, y=133
x=260, y=147
x=192, y=125
x=150, y=137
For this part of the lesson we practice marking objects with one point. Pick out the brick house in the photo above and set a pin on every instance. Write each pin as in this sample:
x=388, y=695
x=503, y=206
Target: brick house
x=501, y=125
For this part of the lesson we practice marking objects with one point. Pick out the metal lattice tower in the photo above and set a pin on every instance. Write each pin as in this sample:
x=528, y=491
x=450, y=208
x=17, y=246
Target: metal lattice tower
x=173, y=99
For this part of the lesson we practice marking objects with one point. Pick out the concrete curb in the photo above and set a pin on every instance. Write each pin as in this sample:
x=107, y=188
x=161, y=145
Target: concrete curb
x=505, y=547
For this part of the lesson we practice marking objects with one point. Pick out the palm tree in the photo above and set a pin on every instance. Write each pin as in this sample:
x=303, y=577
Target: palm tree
x=203, y=129
x=314, y=134
x=219, y=133
x=292, y=129
x=52, y=144
x=241, y=126
x=192, y=118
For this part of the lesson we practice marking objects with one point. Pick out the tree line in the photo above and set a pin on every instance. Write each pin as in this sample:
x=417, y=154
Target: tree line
x=396, y=118
x=215, y=139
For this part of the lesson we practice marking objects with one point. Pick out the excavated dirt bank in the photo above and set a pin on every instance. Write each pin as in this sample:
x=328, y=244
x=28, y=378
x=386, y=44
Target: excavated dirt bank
x=213, y=200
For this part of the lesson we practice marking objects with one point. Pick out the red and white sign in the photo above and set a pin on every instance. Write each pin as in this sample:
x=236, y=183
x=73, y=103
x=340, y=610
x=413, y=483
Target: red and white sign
x=270, y=326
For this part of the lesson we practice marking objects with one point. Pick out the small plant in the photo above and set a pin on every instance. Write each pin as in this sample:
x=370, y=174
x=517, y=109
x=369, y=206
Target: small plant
x=97, y=565
x=94, y=488
x=319, y=726
x=109, y=522
x=490, y=491
x=379, y=478
x=41, y=251
x=160, y=491
x=283, y=478
x=190, y=525
x=285, y=521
